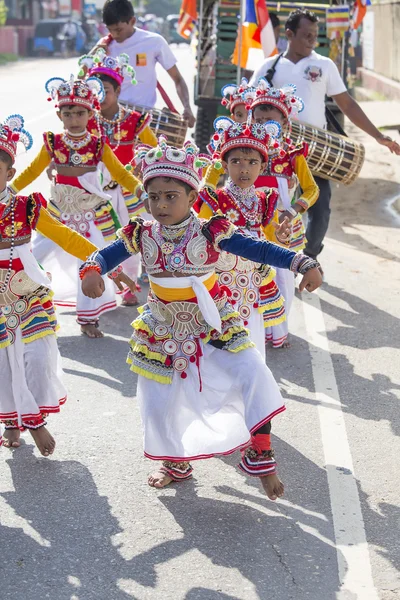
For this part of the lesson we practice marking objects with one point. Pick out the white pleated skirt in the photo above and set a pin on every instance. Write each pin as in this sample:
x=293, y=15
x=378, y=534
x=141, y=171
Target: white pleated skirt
x=65, y=281
x=285, y=282
x=238, y=395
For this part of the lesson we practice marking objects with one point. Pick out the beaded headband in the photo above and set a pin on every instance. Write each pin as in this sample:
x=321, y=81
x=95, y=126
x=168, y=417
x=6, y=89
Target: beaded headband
x=185, y=164
x=88, y=93
x=233, y=95
x=116, y=68
x=230, y=135
x=11, y=132
x=283, y=99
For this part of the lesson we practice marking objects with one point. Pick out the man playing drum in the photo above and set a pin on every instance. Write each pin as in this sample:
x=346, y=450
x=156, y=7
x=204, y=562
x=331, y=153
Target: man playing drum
x=315, y=77
x=145, y=50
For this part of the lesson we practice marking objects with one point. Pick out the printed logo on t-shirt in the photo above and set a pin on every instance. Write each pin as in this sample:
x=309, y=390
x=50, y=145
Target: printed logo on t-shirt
x=313, y=73
x=141, y=60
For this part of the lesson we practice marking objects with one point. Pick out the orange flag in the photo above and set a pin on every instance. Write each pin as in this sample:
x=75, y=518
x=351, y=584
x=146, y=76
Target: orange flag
x=187, y=18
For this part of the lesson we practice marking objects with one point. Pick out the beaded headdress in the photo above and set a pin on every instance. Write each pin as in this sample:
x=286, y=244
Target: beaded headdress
x=116, y=68
x=88, y=93
x=233, y=95
x=185, y=164
x=11, y=132
x=230, y=135
x=284, y=99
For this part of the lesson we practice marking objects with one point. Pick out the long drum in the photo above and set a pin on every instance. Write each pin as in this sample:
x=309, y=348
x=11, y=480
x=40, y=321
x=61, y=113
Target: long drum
x=330, y=155
x=165, y=122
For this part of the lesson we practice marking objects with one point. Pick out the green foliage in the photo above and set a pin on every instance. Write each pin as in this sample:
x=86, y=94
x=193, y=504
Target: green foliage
x=3, y=13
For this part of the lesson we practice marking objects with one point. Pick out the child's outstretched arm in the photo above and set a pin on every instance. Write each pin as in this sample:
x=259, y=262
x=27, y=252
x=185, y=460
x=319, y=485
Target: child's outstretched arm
x=310, y=190
x=37, y=166
x=119, y=173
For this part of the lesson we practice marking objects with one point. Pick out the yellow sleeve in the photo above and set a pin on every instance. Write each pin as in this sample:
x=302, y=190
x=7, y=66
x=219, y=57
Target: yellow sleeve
x=307, y=183
x=269, y=230
x=205, y=211
x=32, y=172
x=212, y=176
x=148, y=137
x=69, y=240
x=118, y=172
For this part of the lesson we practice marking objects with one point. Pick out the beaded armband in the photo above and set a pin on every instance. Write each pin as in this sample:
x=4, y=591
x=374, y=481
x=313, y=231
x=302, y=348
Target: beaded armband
x=87, y=267
x=303, y=263
x=95, y=262
x=302, y=203
x=114, y=274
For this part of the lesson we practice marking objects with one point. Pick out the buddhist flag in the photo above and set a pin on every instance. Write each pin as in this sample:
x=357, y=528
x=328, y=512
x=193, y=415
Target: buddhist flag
x=337, y=20
x=360, y=10
x=258, y=38
x=187, y=18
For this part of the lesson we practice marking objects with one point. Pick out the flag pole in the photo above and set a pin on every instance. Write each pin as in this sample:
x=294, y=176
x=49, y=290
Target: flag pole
x=241, y=19
x=199, y=40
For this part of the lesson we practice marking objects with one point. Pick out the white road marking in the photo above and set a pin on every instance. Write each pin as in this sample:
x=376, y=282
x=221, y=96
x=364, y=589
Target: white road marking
x=355, y=573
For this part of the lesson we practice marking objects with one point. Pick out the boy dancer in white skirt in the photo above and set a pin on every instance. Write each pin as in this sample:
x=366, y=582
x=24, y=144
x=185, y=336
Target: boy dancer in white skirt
x=78, y=199
x=203, y=388
x=285, y=169
x=30, y=363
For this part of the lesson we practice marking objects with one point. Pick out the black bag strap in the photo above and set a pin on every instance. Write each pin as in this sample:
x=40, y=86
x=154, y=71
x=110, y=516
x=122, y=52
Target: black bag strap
x=333, y=122
x=269, y=75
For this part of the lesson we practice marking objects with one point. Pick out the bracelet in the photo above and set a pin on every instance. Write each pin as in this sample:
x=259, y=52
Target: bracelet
x=115, y=272
x=306, y=263
x=285, y=242
x=87, y=267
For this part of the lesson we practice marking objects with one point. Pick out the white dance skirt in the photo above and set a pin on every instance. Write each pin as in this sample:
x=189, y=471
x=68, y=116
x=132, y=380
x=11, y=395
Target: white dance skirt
x=65, y=281
x=285, y=282
x=239, y=394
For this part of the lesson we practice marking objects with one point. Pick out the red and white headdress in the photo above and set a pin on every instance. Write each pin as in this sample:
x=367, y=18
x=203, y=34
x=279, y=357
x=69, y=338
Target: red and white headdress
x=116, y=68
x=11, y=132
x=284, y=99
x=185, y=164
x=233, y=95
x=88, y=93
x=230, y=135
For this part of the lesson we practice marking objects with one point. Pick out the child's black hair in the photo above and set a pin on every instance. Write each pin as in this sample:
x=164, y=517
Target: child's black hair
x=186, y=186
x=107, y=79
x=117, y=11
x=6, y=159
x=243, y=150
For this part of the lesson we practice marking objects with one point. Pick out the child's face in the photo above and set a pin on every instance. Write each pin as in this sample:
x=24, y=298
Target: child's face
x=244, y=168
x=239, y=113
x=168, y=202
x=122, y=31
x=111, y=95
x=268, y=113
x=6, y=174
x=74, y=118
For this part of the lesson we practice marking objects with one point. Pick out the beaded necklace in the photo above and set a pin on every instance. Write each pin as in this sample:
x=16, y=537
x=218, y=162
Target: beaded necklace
x=76, y=144
x=6, y=195
x=246, y=201
x=166, y=237
x=109, y=124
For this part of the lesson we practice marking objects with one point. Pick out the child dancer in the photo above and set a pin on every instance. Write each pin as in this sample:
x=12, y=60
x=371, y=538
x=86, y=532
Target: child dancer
x=122, y=128
x=203, y=389
x=30, y=363
x=78, y=199
x=243, y=149
x=286, y=166
x=236, y=99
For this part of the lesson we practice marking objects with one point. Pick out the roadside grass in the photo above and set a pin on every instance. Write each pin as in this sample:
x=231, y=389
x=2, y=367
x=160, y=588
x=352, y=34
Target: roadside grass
x=6, y=58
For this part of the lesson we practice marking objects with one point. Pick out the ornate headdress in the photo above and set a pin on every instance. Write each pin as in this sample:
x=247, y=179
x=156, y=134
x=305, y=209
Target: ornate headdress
x=283, y=99
x=185, y=164
x=233, y=95
x=117, y=68
x=88, y=93
x=11, y=132
x=230, y=135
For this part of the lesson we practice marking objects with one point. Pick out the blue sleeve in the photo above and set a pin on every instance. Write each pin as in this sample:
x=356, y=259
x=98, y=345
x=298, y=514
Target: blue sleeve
x=265, y=252
x=111, y=256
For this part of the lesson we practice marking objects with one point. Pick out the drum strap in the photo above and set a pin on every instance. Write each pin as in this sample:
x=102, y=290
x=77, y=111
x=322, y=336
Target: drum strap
x=330, y=117
x=166, y=98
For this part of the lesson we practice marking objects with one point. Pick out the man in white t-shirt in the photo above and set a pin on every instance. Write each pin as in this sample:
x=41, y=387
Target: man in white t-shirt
x=145, y=50
x=316, y=77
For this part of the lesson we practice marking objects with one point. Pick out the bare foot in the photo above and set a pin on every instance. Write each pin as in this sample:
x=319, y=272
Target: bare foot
x=273, y=486
x=43, y=440
x=12, y=438
x=286, y=344
x=159, y=479
x=92, y=331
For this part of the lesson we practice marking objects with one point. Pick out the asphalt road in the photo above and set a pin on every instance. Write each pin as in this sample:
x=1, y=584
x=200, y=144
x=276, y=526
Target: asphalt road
x=84, y=525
